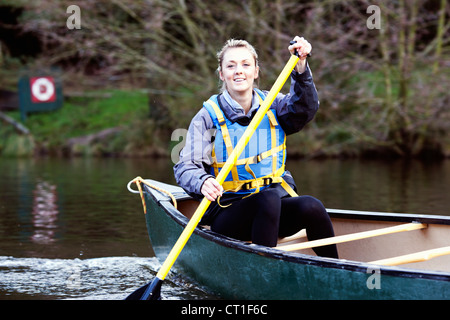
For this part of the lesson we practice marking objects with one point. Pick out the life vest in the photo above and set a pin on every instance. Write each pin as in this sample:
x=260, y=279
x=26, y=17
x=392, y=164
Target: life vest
x=263, y=160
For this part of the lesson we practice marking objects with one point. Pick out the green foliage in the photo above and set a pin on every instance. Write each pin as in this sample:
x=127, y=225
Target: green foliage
x=84, y=116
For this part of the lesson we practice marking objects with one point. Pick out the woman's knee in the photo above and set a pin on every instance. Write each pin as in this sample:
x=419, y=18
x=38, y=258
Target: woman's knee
x=311, y=204
x=313, y=211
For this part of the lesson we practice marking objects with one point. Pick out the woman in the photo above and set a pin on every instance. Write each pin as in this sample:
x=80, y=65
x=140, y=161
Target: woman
x=257, y=201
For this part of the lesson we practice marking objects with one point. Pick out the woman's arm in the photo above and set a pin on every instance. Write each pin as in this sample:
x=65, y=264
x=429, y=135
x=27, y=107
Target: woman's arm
x=192, y=170
x=299, y=107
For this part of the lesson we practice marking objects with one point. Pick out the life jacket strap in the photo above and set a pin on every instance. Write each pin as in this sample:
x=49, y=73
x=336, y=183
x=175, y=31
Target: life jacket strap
x=256, y=183
x=250, y=160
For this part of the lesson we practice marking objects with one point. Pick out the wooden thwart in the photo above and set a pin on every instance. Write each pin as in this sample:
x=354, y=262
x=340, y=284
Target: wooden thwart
x=414, y=257
x=353, y=236
x=298, y=235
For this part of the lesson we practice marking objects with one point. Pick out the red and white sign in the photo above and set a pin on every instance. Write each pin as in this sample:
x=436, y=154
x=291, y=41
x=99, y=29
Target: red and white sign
x=42, y=89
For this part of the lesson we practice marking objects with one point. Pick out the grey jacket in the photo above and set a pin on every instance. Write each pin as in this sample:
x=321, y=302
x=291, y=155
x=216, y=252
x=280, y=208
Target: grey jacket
x=293, y=111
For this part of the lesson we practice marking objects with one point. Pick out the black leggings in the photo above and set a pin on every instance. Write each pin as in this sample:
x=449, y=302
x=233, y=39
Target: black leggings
x=264, y=216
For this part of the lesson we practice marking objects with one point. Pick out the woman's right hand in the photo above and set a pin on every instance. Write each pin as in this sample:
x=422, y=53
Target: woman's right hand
x=211, y=189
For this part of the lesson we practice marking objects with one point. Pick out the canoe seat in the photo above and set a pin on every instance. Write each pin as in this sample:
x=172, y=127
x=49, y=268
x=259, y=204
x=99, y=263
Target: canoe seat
x=296, y=236
x=354, y=236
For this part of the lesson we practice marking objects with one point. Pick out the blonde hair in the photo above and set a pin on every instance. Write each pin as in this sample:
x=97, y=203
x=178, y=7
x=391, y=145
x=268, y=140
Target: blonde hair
x=234, y=43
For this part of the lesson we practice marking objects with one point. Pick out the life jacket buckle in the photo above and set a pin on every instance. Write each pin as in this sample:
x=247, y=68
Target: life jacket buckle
x=247, y=186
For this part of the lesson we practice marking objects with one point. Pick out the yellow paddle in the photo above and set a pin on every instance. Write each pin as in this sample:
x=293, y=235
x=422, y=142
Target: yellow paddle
x=152, y=290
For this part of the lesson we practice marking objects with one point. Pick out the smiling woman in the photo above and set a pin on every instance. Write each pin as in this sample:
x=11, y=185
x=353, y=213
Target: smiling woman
x=257, y=201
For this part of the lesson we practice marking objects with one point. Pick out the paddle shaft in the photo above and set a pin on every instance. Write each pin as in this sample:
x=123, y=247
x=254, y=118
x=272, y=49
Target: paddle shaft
x=204, y=204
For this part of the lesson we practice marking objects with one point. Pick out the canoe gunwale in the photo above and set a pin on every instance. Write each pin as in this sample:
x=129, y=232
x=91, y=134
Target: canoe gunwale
x=356, y=266
x=388, y=216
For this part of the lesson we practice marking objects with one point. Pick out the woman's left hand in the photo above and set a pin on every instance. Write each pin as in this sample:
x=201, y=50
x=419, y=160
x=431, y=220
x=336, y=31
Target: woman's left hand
x=303, y=47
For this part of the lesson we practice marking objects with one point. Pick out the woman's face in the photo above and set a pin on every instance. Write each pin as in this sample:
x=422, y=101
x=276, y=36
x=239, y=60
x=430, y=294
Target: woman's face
x=239, y=70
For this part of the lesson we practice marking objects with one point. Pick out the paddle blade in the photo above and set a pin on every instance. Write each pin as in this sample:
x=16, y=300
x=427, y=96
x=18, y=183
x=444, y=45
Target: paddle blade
x=150, y=291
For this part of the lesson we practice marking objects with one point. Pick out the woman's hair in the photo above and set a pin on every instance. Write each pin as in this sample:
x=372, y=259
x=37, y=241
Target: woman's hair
x=234, y=43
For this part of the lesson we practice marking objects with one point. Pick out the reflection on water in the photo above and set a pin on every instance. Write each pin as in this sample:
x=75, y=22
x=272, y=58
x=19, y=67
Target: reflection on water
x=69, y=229
x=45, y=212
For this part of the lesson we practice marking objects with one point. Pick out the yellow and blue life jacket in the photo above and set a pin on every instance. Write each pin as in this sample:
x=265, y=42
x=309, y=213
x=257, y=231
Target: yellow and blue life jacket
x=263, y=160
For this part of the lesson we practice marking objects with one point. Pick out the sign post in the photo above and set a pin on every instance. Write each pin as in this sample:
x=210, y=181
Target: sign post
x=37, y=94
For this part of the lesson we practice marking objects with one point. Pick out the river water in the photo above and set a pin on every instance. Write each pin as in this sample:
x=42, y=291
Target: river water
x=69, y=229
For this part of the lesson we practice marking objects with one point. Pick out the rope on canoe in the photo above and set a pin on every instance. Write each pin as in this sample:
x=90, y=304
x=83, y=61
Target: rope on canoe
x=138, y=181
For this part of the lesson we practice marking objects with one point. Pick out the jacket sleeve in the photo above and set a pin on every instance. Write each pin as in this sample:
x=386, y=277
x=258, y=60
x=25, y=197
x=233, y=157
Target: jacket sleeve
x=192, y=169
x=297, y=108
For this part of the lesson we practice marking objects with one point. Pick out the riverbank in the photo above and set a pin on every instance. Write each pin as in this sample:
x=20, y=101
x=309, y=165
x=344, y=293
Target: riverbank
x=107, y=123
x=123, y=123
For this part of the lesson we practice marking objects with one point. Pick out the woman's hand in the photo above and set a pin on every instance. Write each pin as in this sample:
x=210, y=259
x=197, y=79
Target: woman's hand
x=303, y=47
x=211, y=189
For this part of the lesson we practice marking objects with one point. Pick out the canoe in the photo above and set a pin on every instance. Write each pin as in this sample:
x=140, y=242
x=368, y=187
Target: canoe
x=382, y=255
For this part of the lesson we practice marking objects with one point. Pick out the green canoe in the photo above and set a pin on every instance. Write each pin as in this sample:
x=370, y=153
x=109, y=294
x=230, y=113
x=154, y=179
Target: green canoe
x=418, y=248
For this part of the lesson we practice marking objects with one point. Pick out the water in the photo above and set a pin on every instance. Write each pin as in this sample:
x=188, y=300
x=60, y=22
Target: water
x=110, y=278
x=390, y=186
x=69, y=229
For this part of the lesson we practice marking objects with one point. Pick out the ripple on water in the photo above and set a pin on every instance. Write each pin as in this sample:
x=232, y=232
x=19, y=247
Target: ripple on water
x=111, y=278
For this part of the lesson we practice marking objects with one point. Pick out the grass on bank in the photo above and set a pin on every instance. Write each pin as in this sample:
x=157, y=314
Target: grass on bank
x=83, y=115
x=80, y=116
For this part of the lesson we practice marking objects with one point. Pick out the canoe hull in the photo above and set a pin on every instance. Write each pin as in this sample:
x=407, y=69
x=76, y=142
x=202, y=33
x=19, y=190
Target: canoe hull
x=238, y=270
